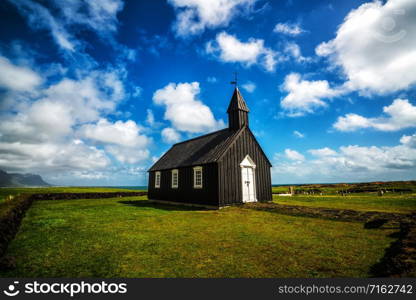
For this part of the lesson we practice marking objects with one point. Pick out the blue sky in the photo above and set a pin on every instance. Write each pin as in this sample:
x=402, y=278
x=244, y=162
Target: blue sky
x=93, y=92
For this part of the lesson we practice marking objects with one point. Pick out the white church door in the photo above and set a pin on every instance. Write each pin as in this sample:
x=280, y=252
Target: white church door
x=248, y=179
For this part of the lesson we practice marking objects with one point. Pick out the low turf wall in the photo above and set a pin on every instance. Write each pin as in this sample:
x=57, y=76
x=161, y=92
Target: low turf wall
x=12, y=212
x=69, y=196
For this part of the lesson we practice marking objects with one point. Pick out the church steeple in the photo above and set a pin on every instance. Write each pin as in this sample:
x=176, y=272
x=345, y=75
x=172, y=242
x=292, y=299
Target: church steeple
x=237, y=111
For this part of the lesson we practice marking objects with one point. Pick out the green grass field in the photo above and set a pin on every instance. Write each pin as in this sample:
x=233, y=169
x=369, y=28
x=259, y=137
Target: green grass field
x=130, y=237
x=363, y=202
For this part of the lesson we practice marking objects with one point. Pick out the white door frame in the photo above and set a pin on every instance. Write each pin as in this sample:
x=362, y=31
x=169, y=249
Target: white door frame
x=248, y=163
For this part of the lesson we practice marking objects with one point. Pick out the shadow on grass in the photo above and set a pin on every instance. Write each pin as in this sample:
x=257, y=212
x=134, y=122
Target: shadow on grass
x=399, y=257
x=171, y=207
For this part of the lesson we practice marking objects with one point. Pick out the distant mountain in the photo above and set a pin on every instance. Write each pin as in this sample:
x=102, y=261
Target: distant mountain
x=20, y=180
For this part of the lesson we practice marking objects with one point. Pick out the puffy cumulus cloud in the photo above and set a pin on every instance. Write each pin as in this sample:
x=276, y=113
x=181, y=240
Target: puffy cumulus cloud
x=305, y=96
x=409, y=140
x=351, y=122
x=88, y=97
x=49, y=113
x=59, y=16
x=294, y=155
x=40, y=122
x=51, y=157
x=399, y=115
x=249, y=86
x=170, y=135
x=349, y=163
x=375, y=47
x=194, y=16
x=228, y=48
x=288, y=29
x=17, y=78
x=123, y=140
x=184, y=110
x=121, y=133
x=61, y=128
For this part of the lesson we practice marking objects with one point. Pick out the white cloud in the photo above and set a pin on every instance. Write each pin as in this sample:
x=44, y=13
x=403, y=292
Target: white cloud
x=350, y=163
x=50, y=113
x=375, y=47
x=184, y=110
x=51, y=157
x=305, y=96
x=99, y=16
x=123, y=140
x=323, y=152
x=87, y=98
x=150, y=118
x=129, y=155
x=249, y=86
x=40, y=17
x=121, y=133
x=294, y=51
x=409, y=140
x=298, y=134
x=351, y=122
x=399, y=115
x=137, y=92
x=194, y=16
x=288, y=29
x=170, y=135
x=228, y=48
x=294, y=155
x=17, y=78
x=60, y=129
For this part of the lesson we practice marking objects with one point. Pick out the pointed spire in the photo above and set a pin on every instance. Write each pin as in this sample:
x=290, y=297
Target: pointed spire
x=237, y=111
x=237, y=102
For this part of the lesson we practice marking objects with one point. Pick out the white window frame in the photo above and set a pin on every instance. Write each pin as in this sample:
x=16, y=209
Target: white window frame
x=198, y=169
x=175, y=172
x=158, y=179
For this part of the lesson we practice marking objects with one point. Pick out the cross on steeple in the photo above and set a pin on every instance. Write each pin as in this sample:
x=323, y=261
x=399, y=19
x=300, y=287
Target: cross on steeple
x=235, y=82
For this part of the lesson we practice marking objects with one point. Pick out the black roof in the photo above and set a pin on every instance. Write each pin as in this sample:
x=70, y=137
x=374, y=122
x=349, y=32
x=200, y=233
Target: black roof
x=201, y=150
x=237, y=102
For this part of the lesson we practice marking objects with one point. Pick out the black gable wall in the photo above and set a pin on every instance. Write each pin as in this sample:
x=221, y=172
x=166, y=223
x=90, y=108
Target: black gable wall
x=229, y=170
x=185, y=192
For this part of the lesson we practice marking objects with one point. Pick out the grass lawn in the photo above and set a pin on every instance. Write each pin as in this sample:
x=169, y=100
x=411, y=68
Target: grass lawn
x=363, y=202
x=130, y=237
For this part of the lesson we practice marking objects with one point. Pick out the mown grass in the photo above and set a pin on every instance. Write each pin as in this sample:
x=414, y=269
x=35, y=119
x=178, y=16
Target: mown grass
x=133, y=238
x=363, y=202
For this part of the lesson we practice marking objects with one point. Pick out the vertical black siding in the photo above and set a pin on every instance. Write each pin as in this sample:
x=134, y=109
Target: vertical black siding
x=237, y=119
x=185, y=192
x=229, y=171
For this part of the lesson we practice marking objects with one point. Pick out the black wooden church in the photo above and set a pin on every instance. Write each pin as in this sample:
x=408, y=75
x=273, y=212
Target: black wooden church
x=222, y=168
